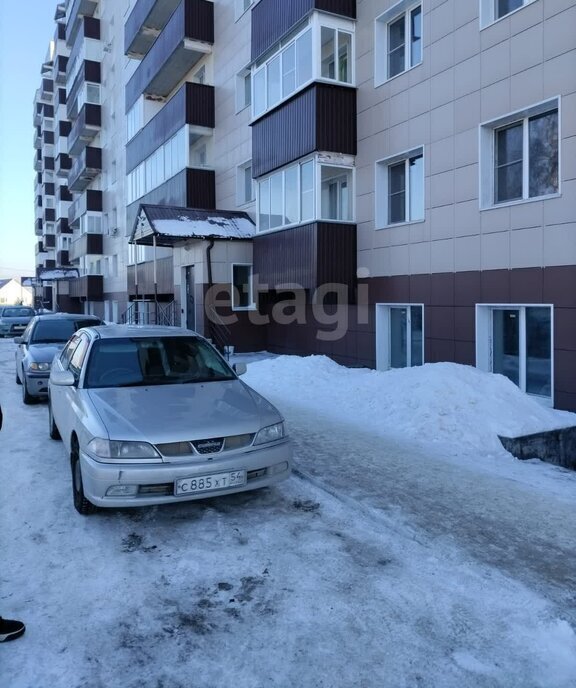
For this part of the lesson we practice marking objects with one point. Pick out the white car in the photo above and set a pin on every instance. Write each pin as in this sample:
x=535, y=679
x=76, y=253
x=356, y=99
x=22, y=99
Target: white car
x=152, y=415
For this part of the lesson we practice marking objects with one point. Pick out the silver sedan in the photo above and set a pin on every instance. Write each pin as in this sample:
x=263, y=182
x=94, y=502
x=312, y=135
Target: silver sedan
x=152, y=415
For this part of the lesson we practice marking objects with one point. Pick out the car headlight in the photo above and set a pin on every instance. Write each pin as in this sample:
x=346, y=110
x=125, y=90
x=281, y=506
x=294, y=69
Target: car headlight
x=38, y=367
x=272, y=433
x=122, y=451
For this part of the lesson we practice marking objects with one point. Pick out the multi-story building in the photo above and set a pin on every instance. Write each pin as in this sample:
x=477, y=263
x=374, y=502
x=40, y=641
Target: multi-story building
x=386, y=182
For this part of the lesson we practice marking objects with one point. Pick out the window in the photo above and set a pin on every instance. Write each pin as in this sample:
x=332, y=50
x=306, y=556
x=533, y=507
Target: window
x=520, y=156
x=289, y=196
x=400, y=189
x=243, y=89
x=516, y=341
x=245, y=186
x=398, y=40
x=492, y=10
x=242, y=286
x=399, y=336
x=242, y=6
x=318, y=51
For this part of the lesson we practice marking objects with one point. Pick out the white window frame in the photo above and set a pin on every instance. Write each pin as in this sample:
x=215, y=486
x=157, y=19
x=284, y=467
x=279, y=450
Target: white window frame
x=381, y=212
x=241, y=102
x=487, y=152
x=251, y=304
x=384, y=330
x=488, y=12
x=315, y=24
x=319, y=160
x=241, y=199
x=484, y=343
x=381, y=25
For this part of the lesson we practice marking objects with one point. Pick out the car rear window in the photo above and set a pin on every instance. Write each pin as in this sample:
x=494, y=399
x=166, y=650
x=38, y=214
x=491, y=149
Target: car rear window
x=54, y=331
x=18, y=313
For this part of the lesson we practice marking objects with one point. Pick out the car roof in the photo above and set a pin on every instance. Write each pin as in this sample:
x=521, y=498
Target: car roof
x=67, y=316
x=120, y=331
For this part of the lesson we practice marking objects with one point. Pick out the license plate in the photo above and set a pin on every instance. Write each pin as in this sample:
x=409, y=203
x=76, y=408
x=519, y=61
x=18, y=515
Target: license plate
x=18, y=328
x=207, y=483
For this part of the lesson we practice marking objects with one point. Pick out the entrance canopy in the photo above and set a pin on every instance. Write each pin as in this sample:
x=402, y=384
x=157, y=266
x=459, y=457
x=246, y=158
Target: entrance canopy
x=162, y=225
x=57, y=274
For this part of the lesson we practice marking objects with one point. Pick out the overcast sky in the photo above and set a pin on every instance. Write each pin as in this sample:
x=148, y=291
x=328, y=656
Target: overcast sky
x=26, y=28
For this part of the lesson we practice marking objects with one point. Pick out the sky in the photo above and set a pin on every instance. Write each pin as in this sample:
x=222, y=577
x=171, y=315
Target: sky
x=26, y=28
x=408, y=549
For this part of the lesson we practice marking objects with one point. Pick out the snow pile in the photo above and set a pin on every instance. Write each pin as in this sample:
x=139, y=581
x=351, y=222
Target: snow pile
x=437, y=402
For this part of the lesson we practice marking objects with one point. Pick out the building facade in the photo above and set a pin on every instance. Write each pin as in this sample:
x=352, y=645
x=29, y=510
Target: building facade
x=408, y=167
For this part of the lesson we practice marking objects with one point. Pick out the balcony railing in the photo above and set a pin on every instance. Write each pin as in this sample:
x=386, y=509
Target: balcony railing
x=85, y=128
x=144, y=24
x=90, y=200
x=191, y=104
x=86, y=167
x=86, y=245
x=87, y=288
x=145, y=287
x=78, y=9
x=185, y=39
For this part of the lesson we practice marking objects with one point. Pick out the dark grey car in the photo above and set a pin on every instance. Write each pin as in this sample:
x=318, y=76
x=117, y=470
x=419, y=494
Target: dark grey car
x=13, y=320
x=44, y=337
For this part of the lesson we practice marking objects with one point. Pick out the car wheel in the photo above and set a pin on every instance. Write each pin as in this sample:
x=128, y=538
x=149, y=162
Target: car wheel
x=81, y=504
x=54, y=432
x=26, y=398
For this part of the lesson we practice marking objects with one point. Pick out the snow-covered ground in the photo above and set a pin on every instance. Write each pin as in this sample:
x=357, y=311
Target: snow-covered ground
x=382, y=563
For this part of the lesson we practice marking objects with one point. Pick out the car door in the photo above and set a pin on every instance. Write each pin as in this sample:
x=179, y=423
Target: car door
x=22, y=348
x=58, y=398
x=72, y=398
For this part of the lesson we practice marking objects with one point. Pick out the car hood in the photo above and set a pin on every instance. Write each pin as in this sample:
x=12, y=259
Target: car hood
x=44, y=353
x=178, y=413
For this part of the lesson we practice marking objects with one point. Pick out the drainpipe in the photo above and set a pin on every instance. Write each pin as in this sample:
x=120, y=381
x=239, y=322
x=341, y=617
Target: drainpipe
x=210, y=284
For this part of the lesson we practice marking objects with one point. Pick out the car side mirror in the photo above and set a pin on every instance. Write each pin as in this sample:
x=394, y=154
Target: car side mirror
x=62, y=378
x=240, y=368
x=18, y=340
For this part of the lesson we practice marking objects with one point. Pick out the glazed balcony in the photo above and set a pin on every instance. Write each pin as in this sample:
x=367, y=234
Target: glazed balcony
x=144, y=24
x=273, y=19
x=77, y=10
x=86, y=245
x=89, y=201
x=89, y=72
x=87, y=288
x=85, y=168
x=192, y=104
x=85, y=128
x=186, y=39
x=320, y=118
x=46, y=88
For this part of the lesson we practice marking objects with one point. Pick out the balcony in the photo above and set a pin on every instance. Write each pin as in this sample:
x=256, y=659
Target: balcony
x=46, y=89
x=86, y=45
x=49, y=215
x=78, y=9
x=62, y=258
x=86, y=245
x=85, y=128
x=37, y=111
x=48, y=163
x=38, y=161
x=86, y=167
x=40, y=247
x=90, y=200
x=37, y=137
x=38, y=227
x=62, y=226
x=49, y=189
x=273, y=19
x=310, y=255
x=320, y=118
x=192, y=104
x=144, y=24
x=63, y=165
x=60, y=64
x=164, y=277
x=185, y=39
x=50, y=242
x=89, y=72
x=87, y=288
x=64, y=194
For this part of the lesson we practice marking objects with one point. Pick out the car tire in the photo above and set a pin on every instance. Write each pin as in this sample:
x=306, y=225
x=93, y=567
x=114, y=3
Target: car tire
x=81, y=504
x=53, y=429
x=26, y=397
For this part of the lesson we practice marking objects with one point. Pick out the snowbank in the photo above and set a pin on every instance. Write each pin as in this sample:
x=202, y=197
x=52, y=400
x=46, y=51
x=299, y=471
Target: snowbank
x=436, y=402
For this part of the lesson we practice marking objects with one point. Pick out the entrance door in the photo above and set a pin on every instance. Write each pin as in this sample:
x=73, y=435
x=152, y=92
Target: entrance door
x=190, y=302
x=399, y=336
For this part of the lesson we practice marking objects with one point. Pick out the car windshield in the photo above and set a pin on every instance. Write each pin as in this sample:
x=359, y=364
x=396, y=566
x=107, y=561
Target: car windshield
x=17, y=313
x=56, y=331
x=133, y=362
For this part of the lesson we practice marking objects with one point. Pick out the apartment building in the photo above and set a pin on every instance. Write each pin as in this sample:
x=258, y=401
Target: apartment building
x=387, y=182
